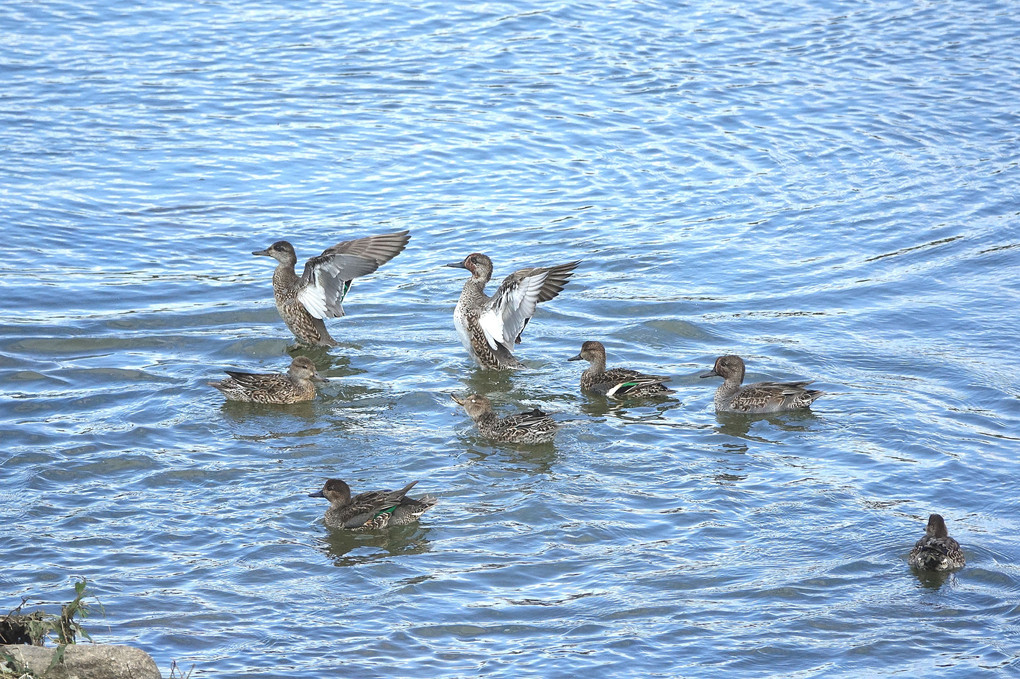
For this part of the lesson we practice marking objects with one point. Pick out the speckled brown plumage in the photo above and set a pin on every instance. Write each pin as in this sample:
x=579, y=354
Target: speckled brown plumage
x=936, y=551
x=757, y=398
x=297, y=385
x=529, y=427
x=370, y=510
x=490, y=326
x=615, y=382
x=319, y=292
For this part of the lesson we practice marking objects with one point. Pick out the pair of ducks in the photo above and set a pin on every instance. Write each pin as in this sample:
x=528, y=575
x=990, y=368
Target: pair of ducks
x=488, y=326
x=378, y=509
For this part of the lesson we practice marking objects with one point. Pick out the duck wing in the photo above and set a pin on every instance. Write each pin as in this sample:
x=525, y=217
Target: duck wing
x=620, y=381
x=366, y=506
x=508, y=311
x=327, y=277
x=530, y=419
x=257, y=380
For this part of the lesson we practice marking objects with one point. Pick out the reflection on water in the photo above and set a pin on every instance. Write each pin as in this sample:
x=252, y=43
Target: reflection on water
x=375, y=545
x=526, y=459
x=740, y=424
x=933, y=580
x=637, y=410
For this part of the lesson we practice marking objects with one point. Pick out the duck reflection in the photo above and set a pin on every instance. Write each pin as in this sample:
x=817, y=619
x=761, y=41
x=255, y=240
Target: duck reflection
x=739, y=424
x=932, y=580
x=349, y=548
x=631, y=410
x=518, y=458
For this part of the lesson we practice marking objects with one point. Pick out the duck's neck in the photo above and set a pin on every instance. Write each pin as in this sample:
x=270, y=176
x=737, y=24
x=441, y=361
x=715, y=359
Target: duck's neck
x=284, y=276
x=726, y=390
x=597, y=367
x=473, y=292
x=487, y=418
x=304, y=387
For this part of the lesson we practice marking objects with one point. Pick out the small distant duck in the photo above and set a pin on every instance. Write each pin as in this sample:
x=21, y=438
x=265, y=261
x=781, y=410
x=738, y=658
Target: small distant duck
x=297, y=385
x=371, y=510
x=529, y=427
x=303, y=302
x=760, y=397
x=615, y=382
x=490, y=326
x=936, y=551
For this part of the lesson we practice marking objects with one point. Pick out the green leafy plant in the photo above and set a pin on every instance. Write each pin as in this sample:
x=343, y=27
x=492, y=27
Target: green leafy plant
x=36, y=627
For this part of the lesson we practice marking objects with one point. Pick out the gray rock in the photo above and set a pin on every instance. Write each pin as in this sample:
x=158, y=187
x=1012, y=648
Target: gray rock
x=87, y=661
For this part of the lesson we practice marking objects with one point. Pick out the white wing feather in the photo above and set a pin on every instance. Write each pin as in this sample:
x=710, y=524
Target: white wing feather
x=313, y=298
x=506, y=313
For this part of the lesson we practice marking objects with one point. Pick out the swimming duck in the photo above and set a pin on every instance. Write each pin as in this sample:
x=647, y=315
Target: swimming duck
x=936, y=551
x=760, y=397
x=374, y=509
x=529, y=427
x=615, y=382
x=303, y=302
x=297, y=385
x=490, y=326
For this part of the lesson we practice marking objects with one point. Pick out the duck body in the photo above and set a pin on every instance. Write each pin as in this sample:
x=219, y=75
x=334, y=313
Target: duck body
x=489, y=327
x=616, y=382
x=304, y=301
x=760, y=397
x=296, y=386
x=936, y=551
x=371, y=510
x=530, y=427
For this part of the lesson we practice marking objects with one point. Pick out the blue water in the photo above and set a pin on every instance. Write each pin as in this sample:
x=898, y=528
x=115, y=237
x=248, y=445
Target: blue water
x=826, y=189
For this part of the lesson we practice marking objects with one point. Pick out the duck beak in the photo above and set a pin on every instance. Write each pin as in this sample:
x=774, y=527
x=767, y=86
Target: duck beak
x=575, y=358
x=456, y=265
x=264, y=253
x=319, y=378
x=711, y=373
x=316, y=494
x=458, y=401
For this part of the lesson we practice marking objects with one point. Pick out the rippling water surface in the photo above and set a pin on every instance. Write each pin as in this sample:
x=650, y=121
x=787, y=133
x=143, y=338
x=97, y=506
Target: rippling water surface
x=827, y=189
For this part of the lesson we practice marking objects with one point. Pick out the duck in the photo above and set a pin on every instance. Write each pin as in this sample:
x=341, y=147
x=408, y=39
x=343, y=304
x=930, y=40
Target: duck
x=757, y=398
x=489, y=327
x=936, y=551
x=373, y=509
x=296, y=386
x=530, y=427
x=615, y=382
x=304, y=302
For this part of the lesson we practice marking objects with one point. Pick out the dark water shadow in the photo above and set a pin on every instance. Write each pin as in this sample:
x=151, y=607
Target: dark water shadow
x=241, y=411
x=375, y=545
x=739, y=424
x=325, y=362
x=482, y=381
x=633, y=410
x=933, y=580
x=536, y=458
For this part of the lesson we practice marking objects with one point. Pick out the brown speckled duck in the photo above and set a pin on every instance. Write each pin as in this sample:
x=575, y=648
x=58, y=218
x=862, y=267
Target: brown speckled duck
x=303, y=302
x=297, y=385
x=490, y=326
x=529, y=427
x=760, y=397
x=936, y=551
x=615, y=382
x=373, y=509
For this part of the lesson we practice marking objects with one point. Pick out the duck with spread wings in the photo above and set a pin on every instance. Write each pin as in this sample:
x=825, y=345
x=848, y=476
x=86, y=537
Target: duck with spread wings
x=318, y=293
